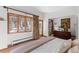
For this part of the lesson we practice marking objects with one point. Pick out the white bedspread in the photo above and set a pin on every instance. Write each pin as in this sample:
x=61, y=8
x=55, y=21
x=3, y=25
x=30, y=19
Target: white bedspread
x=50, y=47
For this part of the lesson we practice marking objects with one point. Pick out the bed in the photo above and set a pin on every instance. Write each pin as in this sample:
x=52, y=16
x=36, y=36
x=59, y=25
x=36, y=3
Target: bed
x=52, y=46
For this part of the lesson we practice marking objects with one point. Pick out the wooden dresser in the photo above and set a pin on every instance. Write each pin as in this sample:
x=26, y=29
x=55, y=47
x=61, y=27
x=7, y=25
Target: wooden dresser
x=61, y=34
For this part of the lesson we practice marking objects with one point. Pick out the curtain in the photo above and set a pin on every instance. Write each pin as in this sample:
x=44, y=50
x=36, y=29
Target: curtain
x=35, y=27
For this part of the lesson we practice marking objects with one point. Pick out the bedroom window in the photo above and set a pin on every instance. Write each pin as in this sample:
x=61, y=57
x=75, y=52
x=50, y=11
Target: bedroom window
x=12, y=23
x=29, y=24
x=19, y=23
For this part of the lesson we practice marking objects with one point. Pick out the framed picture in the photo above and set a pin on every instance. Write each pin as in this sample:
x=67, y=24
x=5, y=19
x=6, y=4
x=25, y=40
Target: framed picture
x=65, y=22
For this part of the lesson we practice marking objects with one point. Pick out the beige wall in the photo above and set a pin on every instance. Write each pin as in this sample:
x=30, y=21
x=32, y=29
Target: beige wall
x=72, y=13
x=5, y=38
x=3, y=29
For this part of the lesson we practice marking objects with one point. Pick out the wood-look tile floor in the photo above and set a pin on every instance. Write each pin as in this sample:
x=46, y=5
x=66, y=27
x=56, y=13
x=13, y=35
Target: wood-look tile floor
x=27, y=43
x=7, y=50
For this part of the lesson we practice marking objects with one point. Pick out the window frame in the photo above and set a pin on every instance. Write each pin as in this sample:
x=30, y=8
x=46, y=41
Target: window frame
x=18, y=23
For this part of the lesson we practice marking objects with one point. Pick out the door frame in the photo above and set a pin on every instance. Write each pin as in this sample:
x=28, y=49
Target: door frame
x=42, y=26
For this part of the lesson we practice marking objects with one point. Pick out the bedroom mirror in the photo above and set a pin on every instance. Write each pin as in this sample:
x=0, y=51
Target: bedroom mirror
x=57, y=24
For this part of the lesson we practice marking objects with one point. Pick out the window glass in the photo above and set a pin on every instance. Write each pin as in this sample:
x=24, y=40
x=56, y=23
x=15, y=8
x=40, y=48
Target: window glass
x=28, y=24
x=13, y=24
x=21, y=24
x=18, y=23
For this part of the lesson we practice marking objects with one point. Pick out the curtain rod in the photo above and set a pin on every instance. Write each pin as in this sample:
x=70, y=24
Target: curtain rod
x=19, y=10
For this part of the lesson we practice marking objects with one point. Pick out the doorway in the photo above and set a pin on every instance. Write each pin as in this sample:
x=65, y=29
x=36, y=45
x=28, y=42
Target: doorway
x=50, y=27
x=41, y=27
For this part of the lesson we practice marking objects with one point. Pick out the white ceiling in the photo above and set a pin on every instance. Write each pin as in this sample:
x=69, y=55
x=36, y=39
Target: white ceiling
x=28, y=9
x=42, y=9
x=48, y=9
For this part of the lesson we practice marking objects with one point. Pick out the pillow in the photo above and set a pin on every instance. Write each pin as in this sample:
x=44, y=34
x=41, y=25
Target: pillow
x=65, y=46
x=75, y=42
x=74, y=49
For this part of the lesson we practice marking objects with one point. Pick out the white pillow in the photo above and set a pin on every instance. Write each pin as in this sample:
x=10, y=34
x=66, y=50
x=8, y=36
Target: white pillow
x=75, y=42
x=74, y=49
x=65, y=46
